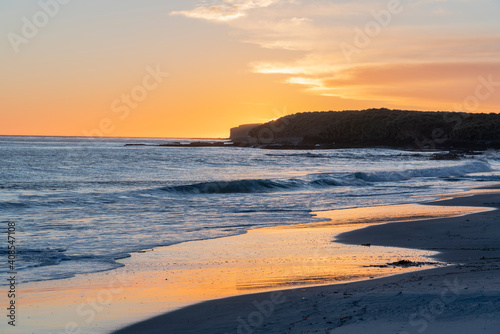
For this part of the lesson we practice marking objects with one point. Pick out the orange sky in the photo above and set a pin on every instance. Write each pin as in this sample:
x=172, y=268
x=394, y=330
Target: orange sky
x=87, y=68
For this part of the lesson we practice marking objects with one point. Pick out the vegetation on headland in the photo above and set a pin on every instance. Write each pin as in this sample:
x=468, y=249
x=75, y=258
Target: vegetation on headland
x=378, y=127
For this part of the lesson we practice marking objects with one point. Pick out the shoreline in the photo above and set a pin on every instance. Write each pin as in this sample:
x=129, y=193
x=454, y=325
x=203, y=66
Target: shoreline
x=345, y=314
x=149, y=283
x=168, y=278
x=319, y=214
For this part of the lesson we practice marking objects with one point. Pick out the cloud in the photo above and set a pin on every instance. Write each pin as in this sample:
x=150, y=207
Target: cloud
x=430, y=50
x=406, y=83
x=225, y=10
x=312, y=64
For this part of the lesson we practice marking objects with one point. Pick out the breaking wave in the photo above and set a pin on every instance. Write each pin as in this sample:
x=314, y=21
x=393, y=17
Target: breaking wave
x=324, y=181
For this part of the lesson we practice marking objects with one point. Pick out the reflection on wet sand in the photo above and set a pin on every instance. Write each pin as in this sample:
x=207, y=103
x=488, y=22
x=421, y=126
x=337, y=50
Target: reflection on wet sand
x=154, y=282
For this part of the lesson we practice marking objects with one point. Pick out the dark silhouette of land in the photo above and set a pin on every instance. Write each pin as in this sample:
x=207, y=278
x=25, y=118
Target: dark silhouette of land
x=457, y=132
x=375, y=128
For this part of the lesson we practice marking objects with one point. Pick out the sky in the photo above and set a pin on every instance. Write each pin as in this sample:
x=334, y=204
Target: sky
x=196, y=68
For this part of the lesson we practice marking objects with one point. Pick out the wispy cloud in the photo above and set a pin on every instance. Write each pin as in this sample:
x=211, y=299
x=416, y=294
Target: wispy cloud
x=430, y=50
x=311, y=65
x=413, y=83
x=225, y=10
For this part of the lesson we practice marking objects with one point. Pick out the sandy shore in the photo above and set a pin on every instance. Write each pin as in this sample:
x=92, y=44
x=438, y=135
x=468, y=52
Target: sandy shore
x=165, y=279
x=463, y=298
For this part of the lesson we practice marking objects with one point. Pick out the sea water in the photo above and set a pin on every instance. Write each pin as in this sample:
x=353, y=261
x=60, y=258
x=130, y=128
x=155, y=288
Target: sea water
x=80, y=204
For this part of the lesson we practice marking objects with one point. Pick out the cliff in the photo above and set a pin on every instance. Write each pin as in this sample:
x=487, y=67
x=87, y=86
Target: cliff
x=241, y=133
x=382, y=127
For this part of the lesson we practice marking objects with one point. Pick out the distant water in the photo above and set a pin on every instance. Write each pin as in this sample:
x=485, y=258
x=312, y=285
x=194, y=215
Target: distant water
x=81, y=204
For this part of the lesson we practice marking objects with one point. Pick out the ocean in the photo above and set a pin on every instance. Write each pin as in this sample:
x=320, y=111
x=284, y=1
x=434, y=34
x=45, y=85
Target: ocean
x=81, y=204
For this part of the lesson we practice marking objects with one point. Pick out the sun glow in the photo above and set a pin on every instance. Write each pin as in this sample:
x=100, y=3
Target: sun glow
x=233, y=62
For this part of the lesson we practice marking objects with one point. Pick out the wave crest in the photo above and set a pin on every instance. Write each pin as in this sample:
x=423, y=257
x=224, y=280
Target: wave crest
x=325, y=181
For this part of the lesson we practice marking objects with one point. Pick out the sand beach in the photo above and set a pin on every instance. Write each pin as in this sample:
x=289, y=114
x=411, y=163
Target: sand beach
x=463, y=297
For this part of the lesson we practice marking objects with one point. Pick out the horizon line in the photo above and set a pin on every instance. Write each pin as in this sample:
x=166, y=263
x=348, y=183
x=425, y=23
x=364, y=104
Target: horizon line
x=114, y=137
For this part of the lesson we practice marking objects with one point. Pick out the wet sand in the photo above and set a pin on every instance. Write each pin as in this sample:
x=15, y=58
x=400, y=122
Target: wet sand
x=267, y=259
x=461, y=298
